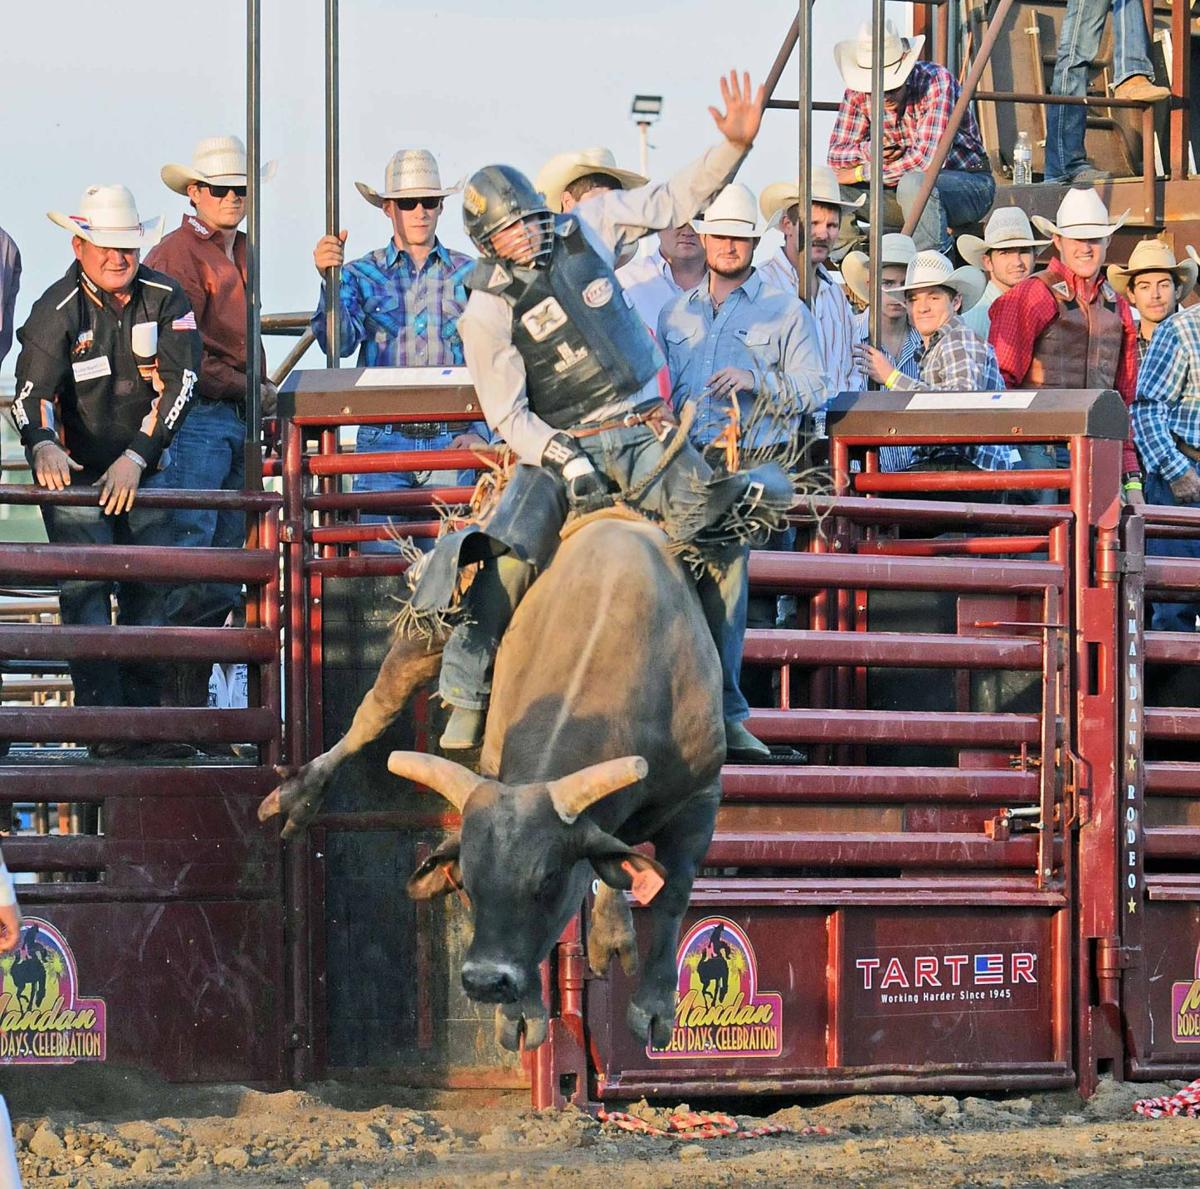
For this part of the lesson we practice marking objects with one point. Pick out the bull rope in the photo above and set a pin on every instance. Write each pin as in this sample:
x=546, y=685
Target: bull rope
x=703, y=1125
x=1184, y=1103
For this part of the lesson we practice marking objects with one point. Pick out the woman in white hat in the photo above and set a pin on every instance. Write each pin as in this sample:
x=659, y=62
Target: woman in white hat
x=1006, y=254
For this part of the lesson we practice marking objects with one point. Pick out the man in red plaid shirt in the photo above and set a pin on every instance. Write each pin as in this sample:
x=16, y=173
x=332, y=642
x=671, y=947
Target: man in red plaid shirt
x=918, y=99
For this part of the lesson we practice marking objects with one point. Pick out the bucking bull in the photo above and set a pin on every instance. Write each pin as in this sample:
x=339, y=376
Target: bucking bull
x=605, y=730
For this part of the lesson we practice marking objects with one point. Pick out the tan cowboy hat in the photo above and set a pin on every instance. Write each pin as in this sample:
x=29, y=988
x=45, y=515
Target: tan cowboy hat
x=411, y=173
x=216, y=161
x=856, y=267
x=932, y=270
x=1081, y=215
x=853, y=58
x=1152, y=255
x=733, y=213
x=564, y=168
x=108, y=218
x=779, y=196
x=1007, y=228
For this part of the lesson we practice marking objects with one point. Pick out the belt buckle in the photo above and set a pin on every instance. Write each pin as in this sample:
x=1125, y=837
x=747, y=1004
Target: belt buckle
x=631, y=419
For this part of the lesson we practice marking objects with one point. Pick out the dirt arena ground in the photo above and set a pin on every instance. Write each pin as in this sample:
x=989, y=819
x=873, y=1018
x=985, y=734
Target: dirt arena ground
x=343, y=1137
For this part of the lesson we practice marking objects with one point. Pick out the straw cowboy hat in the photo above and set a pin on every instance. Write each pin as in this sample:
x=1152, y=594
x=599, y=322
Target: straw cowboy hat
x=216, y=161
x=1081, y=215
x=1152, y=255
x=931, y=270
x=564, y=168
x=411, y=173
x=108, y=218
x=900, y=55
x=1007, y=228
x=856, y=268
x=779, y=196
x=733, y=213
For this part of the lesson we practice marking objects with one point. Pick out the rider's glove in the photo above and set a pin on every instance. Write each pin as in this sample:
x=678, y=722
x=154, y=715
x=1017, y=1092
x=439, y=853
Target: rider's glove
x=587, y=489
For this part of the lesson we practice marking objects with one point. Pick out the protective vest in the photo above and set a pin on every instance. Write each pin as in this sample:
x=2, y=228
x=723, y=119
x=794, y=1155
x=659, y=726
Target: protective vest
x=583, y=346
x=1082, y=346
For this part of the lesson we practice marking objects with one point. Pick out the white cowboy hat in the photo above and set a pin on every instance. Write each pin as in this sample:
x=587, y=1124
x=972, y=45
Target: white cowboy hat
x=1152, y=255
x=931, y=270
x=411, y=173
x=1081, y=215
x=216, y=161
x=564, y=168
x=1007, y=228
x=900, y=55
x=732, y=213
x=108, y=218
x=779, y=196
x=856, y=267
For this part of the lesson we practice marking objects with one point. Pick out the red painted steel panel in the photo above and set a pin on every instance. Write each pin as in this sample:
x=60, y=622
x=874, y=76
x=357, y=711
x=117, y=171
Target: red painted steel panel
x=925, y=650
x=86, y=724
x=58, y=642
x=146, y=563
x=832, y=783
x=881, y=726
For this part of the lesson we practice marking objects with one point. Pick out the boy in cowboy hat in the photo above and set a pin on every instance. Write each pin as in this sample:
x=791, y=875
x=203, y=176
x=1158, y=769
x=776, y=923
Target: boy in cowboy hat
x=1065, y=326
x=780, y=205
x=1005, y=254
x=1154, y=284
x=399, y=306
x=918, y=99
x=107, y=371
x=569, y=177
x=206, y=254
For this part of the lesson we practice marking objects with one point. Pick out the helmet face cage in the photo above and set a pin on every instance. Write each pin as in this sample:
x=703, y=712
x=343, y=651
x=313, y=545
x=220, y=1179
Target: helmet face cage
x=544, y=224
x=496, y=197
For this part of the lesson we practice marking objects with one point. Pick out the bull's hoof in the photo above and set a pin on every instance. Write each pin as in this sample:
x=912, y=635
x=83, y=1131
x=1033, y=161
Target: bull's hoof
x=299, y=797
x=529, y=1024
x=651, y=1025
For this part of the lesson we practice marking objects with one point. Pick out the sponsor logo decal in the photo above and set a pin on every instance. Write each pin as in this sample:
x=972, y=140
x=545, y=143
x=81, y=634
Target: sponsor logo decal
x=719, y=1010
x=598, y=293
x=83, y=342
x=1185, y=1008
x=187, y=322
x=924, y=980
x=544, y=319
x=498, y=277
x=43, y=1018
x=474, y=201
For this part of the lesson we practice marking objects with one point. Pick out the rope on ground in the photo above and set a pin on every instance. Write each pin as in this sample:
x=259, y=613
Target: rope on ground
x=1185, y=1103
x=702, y=1125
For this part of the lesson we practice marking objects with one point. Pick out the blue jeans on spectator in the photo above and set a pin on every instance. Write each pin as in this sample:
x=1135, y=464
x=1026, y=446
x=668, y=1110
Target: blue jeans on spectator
x=1170, y=617
x=207, y=454
x=87, y=603
x=960, y=197
x=381, y=439
x=1078, y=45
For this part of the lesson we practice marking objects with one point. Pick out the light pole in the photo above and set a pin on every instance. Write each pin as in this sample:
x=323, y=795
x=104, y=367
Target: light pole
x=645, y=111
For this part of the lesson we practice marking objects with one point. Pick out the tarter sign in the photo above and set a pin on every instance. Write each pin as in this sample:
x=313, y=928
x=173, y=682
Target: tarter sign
x=43, y=1018
x=720, y=1011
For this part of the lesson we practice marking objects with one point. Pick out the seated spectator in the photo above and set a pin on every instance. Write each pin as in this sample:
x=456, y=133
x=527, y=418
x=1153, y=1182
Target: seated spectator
x=899, y=341
x=917, y=102
x=1154, y=284
x=105, y=377
x=10, y=283
x=1006, y=254
x=675, y=265
x=1166, y=428
x=780, y=205
x=953, y=358
x=206, y=254
x=399, y=306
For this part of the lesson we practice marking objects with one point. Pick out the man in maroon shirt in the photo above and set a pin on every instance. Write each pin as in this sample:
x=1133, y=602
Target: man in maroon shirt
x=1066, y=327
x=206, y=254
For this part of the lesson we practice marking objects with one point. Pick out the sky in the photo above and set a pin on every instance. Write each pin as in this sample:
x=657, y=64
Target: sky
x=113, y=99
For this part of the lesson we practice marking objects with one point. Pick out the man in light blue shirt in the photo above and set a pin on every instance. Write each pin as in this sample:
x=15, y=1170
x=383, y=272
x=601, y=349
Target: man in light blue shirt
x=736, y=338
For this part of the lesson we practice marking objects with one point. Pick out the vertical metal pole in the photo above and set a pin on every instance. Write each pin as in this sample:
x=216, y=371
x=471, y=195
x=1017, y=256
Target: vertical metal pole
x=804, y=144
x=644, y=148
x=875, y=240
x=333, y=275
x=253, y=276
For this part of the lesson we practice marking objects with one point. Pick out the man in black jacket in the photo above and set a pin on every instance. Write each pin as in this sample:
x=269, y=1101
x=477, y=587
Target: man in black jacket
x=109, y=358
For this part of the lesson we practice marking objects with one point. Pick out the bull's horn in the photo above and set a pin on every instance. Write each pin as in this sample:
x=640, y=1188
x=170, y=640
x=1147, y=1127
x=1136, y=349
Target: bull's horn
x=444, y=776
x=575, y=793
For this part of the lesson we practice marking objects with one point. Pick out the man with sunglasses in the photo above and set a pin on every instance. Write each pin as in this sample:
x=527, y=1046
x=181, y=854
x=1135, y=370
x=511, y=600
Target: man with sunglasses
x=399, y=306
x=206, y=254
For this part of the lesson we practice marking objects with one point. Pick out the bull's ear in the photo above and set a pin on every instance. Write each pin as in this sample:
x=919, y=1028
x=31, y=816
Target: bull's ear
x=438, y=875
x=629, y=871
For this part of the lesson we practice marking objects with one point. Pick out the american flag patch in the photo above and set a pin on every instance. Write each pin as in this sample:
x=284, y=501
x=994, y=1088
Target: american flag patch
x=989, y=969
x=187, y=322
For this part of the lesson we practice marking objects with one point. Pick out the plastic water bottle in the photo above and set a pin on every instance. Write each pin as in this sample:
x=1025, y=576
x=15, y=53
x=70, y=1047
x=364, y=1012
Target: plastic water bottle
x=1023, y=161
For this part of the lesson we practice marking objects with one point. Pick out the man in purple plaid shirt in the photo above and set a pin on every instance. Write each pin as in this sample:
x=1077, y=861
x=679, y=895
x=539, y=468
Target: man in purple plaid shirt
x=918, y=99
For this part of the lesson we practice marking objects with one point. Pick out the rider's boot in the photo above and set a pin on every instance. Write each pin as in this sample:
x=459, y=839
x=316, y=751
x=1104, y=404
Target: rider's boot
x=464, y=729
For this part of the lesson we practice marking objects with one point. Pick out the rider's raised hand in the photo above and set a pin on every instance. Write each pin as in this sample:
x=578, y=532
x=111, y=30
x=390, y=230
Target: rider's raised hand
x=743, y=110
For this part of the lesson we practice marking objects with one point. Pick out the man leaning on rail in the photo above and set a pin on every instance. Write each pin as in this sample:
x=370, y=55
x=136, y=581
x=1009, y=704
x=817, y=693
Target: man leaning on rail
x=109, y=360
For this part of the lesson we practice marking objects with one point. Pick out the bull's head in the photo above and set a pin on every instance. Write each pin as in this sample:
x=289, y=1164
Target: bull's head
x=524, y=856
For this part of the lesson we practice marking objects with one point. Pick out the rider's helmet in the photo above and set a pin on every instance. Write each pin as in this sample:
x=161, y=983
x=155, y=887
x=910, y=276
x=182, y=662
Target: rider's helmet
x=498, y=196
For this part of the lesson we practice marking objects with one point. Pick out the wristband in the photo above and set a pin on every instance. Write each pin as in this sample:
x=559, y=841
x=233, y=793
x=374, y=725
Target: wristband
x=895, y=375
x=860, y=173
x=134, y=456
x=1133, y=485
x=44, y=442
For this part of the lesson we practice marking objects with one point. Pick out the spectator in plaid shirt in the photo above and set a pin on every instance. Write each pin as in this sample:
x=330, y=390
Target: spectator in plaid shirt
x=918, y=99
x=953, y=357
x=1166, y=428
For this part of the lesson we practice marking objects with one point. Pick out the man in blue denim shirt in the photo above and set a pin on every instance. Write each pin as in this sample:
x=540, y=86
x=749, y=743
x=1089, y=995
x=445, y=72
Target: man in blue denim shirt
x=399, y=307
